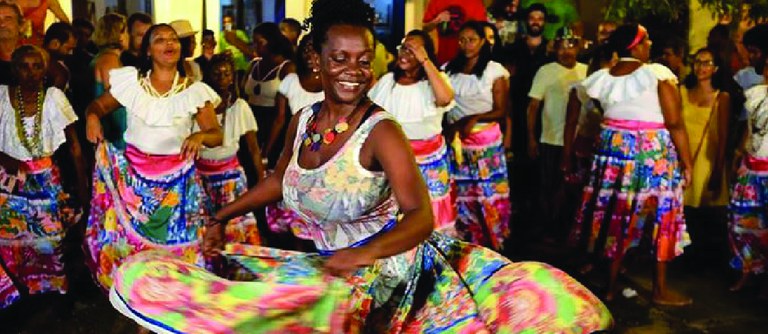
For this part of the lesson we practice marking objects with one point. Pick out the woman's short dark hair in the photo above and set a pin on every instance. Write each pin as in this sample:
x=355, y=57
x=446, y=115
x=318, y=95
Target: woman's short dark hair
x=278, y=44
x=622, y=38
x=328, y=13
x=145, y=64
x=456, y=65
x=429, y=47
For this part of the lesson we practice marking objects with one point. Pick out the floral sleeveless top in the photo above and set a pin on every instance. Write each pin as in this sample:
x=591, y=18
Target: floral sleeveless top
x=341, y=202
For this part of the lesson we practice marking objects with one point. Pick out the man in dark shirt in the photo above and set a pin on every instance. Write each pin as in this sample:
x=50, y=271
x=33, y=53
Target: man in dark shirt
x=10, y=34
x=209, y=49
x=138, y=24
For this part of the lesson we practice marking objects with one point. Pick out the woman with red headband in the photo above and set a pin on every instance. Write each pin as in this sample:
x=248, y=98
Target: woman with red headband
x=641, y=165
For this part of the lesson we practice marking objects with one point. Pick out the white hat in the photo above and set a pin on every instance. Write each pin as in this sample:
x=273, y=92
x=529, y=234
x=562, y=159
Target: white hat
x=183, y=28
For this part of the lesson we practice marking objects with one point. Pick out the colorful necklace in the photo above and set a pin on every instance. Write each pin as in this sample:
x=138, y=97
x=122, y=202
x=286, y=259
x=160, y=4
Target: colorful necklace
x=32, y=145
x=313, y=138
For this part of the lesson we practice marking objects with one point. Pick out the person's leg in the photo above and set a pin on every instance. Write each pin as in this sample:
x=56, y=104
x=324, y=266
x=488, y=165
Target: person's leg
x=662, y=295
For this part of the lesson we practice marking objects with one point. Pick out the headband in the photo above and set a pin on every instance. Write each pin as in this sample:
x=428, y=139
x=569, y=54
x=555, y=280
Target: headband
x=641, y=34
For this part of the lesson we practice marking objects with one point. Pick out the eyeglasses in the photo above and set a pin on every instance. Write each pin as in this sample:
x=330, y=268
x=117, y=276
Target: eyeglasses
x=401, y=49
x=472, y=40
x=703, y=63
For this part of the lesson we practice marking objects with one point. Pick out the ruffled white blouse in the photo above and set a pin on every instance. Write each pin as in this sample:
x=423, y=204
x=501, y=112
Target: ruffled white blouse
x=757, y=120
x=297, y=96
x=412, y=105
x=474, y=95
x=57, y=115
x=631, y=97
x=158, y=125
x=236, y=121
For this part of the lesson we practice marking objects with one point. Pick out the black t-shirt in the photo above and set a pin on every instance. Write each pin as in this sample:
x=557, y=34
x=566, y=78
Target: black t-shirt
x=5, y=72
x=128, y=59
x=204, y=63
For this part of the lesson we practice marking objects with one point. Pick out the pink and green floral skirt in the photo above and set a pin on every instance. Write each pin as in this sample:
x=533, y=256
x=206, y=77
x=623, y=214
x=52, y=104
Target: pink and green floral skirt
x=448, y=286
x=634, y=192
x=142, y=202
x=432, y=159
x=35, y=214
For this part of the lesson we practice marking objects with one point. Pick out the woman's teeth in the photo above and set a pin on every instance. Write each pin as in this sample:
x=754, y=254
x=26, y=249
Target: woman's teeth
x=349, y=85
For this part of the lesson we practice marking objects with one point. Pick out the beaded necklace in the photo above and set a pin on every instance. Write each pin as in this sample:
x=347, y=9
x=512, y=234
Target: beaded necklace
x=32, y=145
x=177, y=87
x=313, y=138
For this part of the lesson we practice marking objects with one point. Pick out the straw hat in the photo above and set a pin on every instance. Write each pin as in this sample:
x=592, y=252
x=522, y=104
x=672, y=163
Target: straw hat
x=183, y=28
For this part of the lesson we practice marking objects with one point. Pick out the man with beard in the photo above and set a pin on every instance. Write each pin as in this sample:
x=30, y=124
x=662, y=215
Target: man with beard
x=59, y=41
x=549, y=91
x=10, y=34
x=446, y=18
x=525, y=56
x=138, y=24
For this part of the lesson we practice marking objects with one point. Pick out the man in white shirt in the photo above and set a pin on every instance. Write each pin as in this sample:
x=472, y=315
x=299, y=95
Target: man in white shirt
x=550, y=93
x=755, y=40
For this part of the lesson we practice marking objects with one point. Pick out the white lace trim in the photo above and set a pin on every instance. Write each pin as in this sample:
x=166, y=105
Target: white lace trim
x=612, y=89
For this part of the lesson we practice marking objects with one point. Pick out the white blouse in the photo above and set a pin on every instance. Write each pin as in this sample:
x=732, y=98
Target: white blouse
x=757, y=120
x=158, y=125
x=474, y=95
x=296, y=95
x=236, y=122
x=632, y=97
x=57, y=115
x=412, y=105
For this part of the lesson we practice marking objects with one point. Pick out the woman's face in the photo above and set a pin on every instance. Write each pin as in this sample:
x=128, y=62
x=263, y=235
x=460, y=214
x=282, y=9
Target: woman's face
x=470, y=43
x=643, y=50
x=406, y=61
x=310, y=58
x=164, y=47
x=223, y=76
x=260, y=45
x=704, y=66
x=125, y=39
x=31, y=71
x=345, y=61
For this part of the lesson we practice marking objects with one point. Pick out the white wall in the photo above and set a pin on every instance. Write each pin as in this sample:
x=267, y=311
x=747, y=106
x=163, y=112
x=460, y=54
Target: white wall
x=165, y=11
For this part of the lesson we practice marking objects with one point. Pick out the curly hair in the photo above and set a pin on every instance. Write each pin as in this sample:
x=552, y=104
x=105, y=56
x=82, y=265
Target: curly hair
x=216, y=60
x=328, y=13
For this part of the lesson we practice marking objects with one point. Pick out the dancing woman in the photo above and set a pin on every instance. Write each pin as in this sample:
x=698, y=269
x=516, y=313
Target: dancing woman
x=149, y=196
x=34, y=210
x=479, y=167
x=418, y=94
x=368, y=211
x=220, y=172
x=642, y=162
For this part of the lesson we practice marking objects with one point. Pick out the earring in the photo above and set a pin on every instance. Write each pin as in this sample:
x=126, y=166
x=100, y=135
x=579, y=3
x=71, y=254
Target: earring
x=315, y=70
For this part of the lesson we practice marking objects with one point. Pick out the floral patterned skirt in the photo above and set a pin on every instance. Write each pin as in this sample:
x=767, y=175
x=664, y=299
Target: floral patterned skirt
x=132, y=211
x=748, y=227
x=450, y=287
x=34, y=216
x=634, y=192
x=224, y=181
x=432, y=158
x=479, y=169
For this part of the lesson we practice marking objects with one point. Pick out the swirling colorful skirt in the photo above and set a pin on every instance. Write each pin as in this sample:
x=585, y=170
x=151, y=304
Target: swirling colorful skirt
x=224, y=181
x=449, y=287
x=479, y=168
x=748, y=227
x=432, y=158
x=634, y=191
x=34, y=216
x=142, y=202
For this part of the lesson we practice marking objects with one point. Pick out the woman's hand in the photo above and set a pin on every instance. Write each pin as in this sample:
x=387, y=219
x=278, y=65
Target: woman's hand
x=345, y=262
x=191, y=147
x=213, y=241
x=687, y=176
x=467, y=126
x=418, y=51
x=93, y=129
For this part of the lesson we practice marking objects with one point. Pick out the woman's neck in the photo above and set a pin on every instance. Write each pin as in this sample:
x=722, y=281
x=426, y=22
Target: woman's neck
x=471, y=62
x=337, y=110
x=705, y=86
x=163, y=72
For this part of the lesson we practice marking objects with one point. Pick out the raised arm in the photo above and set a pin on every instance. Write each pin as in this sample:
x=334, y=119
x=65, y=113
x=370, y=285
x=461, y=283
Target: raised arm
x=439, y=83
x=392, y=151
x=55, y=7
x=669, y=97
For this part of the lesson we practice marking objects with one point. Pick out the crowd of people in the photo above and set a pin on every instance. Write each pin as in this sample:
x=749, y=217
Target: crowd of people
x=289, y=163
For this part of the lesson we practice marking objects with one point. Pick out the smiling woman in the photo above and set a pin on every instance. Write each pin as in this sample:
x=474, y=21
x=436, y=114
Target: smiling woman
x=362, y=199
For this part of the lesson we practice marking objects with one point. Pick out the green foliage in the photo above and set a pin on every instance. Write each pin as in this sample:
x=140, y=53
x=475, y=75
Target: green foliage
x=672, y=10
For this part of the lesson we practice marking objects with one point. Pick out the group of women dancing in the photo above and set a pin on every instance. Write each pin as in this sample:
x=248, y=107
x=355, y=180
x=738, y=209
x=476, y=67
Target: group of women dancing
x=365, y=171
